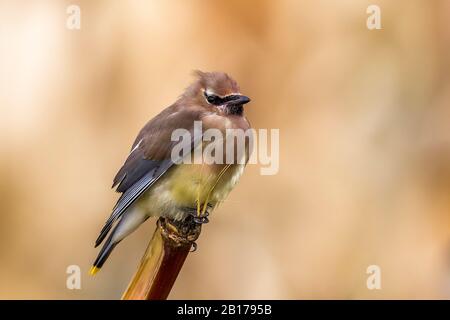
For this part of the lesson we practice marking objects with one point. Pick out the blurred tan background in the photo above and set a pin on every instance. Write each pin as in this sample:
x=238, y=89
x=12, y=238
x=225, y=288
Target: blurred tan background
x=364, y=157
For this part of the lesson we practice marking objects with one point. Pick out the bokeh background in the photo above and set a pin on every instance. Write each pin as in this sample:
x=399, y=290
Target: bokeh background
x=363, y=115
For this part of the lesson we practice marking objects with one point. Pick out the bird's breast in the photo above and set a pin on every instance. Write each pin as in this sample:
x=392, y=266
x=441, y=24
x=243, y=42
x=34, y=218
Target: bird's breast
x=192, y=183
x=198, y=182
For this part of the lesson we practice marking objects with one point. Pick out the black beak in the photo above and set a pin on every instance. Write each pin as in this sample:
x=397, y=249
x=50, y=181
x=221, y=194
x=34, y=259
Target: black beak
x=239, y=100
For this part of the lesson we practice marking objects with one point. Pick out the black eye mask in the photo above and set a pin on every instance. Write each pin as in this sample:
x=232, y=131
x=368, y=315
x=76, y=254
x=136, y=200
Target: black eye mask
x=218, y=101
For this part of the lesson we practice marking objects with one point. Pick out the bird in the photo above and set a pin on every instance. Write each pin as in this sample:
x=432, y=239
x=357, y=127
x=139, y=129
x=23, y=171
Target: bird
x=154, y=184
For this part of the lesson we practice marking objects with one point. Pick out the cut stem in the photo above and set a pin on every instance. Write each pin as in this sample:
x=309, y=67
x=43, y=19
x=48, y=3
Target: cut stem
x=163, y=259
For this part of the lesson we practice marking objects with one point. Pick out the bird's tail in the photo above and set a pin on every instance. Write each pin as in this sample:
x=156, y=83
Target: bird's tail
x=103, y=255
x=127, y=224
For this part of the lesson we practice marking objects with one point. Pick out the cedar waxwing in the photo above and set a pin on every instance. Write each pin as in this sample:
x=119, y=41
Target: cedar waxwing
x=152, y=183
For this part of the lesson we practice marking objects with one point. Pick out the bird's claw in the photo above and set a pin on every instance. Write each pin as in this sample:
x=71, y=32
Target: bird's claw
x=199, y=219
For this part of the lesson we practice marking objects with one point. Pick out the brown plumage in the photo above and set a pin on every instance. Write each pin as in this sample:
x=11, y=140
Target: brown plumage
x=152, y=185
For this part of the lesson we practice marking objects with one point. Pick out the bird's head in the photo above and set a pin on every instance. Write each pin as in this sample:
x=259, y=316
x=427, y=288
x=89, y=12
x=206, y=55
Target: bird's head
x=216, y=90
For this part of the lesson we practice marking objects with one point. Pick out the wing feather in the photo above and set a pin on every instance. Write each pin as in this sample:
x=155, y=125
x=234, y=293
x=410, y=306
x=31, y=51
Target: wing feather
x=149, y=159
x=131, y=194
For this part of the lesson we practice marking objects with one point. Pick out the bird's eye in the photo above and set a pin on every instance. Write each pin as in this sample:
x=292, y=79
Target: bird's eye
x=212, y=98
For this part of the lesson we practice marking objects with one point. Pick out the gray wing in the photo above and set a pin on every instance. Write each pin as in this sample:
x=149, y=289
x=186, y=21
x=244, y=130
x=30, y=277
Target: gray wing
x=154, y=170
x=149, y=159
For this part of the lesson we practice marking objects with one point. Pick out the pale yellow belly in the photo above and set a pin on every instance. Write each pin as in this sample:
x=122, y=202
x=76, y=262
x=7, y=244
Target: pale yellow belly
x=190, y=185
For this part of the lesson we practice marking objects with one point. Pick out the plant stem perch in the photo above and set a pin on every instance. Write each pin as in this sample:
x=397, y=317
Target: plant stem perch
x=163, y=259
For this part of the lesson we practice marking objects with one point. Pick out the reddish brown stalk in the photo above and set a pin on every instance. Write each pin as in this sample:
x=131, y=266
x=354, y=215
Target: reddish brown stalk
x=163, y=259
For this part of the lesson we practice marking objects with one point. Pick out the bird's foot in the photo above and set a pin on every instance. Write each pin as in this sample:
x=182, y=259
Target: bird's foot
x=199, y=218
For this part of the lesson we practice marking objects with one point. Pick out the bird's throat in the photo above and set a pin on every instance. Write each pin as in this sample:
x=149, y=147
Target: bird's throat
x=236, y=110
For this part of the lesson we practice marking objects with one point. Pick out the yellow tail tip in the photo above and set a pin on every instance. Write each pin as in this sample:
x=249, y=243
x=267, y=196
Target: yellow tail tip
x=93, y=270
